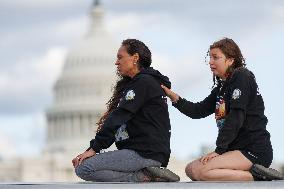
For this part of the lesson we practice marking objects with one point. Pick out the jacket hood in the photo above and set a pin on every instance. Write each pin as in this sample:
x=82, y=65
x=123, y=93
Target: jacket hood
x=162, y=79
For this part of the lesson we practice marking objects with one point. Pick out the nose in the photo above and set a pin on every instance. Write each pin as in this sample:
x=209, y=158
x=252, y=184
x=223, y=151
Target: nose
x=116, y=62
x=211, y=61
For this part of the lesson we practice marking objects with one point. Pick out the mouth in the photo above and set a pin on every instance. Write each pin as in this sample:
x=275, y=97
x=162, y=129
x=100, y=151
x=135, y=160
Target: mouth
x=212, y=69
x=118, y=70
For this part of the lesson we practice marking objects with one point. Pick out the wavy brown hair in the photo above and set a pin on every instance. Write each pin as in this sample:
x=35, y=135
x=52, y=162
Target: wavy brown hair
x=114, y=100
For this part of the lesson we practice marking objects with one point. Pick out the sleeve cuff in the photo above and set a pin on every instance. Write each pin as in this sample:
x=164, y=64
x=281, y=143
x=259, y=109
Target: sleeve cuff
x=178, y=102
x=95, y=146
x=220, y=151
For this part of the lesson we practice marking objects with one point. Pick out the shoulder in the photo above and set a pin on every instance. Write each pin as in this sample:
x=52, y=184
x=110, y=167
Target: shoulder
x=145, y=79
x=141, y=82
x=242, y=74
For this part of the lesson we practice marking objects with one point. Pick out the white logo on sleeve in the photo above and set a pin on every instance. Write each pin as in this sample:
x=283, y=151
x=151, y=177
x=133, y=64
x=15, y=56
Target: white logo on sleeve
x=236, y=94
x=121, y=133
x=130, y=95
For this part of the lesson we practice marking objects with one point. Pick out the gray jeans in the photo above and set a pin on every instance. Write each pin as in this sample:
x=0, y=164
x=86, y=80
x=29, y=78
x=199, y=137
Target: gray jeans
x=115, y=166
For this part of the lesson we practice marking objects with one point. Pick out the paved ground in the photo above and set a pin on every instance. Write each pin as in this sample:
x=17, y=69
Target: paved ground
x=180, y=185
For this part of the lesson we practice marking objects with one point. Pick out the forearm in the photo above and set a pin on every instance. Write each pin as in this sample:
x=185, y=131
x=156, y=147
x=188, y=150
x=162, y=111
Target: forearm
x=105, y=137
x=194, y=110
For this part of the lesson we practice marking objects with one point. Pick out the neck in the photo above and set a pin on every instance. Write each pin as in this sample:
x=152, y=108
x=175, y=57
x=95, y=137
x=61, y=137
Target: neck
x=133, y=72
x=223, y=78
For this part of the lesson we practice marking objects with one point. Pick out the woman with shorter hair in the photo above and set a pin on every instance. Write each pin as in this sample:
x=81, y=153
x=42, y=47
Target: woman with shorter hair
x=137, y=120
x=244, y=150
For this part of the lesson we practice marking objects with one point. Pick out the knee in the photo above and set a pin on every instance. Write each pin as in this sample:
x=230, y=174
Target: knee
x=191, y=172
x=83, y=172
x=80, y=172
x=196, y=172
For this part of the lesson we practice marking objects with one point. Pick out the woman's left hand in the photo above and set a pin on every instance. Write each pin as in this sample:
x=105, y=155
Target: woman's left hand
x=78, y=160
x=208, y=157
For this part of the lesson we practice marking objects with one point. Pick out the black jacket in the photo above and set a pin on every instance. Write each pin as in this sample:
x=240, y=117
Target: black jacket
x=141, y=120
x=239, y=113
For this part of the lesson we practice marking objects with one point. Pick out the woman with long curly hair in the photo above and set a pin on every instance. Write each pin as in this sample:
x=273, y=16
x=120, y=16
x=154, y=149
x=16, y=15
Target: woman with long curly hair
x=137, y=120
x=243, y=148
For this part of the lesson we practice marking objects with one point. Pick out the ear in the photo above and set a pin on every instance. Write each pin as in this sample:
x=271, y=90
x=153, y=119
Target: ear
x=135, y=57
x=230, y=61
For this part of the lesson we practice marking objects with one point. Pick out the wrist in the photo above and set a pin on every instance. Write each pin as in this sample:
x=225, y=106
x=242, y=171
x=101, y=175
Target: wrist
x=92, y=150
x=175, y=98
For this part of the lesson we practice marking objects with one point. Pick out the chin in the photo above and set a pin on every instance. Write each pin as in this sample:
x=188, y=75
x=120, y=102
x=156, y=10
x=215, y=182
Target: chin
x=119, y=72
x=122, y=74
x=216, y=73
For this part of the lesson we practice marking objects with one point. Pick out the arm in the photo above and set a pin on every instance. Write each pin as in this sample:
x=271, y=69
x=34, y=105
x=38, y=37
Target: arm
x=197, y=110
x=132, y=100
x=105, y=137
x=190, y=109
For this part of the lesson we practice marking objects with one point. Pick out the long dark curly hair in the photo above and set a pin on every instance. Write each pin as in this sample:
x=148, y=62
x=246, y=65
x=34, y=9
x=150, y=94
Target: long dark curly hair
x=231, y=50
x=145, y=59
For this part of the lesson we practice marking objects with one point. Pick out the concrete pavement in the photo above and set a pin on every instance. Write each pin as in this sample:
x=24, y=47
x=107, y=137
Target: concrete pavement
x=179, y=185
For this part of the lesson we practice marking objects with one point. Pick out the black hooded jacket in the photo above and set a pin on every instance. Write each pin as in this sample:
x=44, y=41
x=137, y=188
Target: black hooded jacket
x=141, y=120
x=239, y=113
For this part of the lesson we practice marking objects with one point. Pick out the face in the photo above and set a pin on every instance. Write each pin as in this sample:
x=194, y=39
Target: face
x=126, y=64
x=219, y=63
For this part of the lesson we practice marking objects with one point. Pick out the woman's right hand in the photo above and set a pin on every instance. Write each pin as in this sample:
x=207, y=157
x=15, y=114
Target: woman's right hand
x=78, y=159
x=173, y=96
x=208, y=157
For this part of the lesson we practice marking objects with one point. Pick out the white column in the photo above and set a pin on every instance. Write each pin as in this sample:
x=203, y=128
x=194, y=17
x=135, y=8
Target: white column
x=93, y=124
x=67, y=127
x=50, y=128
x=76, y=126
x=81, y=125
x=55, y=128
x=84, y=125
x=60, y=133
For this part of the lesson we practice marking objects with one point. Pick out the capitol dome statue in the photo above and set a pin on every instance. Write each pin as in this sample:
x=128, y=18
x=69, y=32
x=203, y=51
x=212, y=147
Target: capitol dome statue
x=82, y=90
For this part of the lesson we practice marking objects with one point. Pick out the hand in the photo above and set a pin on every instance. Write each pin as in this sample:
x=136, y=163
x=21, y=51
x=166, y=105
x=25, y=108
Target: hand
x=208, y=157
x=78, y=159
x=173, y=96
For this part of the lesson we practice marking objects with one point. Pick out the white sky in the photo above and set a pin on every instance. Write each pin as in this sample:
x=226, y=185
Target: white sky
x=36, y=35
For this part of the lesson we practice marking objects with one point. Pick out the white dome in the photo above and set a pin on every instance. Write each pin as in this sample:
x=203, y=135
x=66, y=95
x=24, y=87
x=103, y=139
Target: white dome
x=82, y=89
x=89, y=69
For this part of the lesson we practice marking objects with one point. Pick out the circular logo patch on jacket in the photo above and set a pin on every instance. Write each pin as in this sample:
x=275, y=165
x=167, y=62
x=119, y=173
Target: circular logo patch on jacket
x=130, y=95
x=236, y=94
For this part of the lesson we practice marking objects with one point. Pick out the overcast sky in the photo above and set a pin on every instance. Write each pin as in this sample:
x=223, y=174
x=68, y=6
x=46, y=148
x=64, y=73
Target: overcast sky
x=35, y=37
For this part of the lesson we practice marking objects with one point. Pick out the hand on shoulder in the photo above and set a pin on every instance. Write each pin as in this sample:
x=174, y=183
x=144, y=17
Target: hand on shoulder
x=172, y=95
